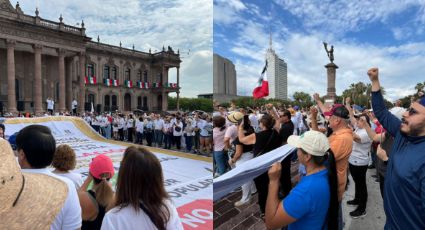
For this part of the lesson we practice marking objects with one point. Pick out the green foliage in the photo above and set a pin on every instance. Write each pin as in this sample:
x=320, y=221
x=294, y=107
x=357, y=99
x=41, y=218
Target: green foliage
x=190, y=104
x=303, y=99
x=360, y=93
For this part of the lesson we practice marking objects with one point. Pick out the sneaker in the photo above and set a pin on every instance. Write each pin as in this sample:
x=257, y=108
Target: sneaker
x=357, y=213
x=352, y=202
x=242, y=202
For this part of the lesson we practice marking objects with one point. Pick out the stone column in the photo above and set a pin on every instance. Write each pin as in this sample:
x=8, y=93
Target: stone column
x=61, y=54
x=164, y=101
x=331, y=72
x=38, y=106
x=11, y=94
x=81, y=101
x=178, y=88
x=68, y=80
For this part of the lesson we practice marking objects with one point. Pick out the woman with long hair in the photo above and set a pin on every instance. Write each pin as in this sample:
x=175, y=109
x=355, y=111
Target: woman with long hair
x=313, y=203
x=99, y=199
x=141, y=200
x=220, y=158
x=264, y=141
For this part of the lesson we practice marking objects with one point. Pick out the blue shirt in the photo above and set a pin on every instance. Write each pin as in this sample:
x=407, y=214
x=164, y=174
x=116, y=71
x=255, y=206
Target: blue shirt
x=404, y=190
x=309, y=201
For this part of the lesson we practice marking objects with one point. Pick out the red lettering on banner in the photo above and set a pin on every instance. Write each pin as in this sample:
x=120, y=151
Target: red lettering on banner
x=197, y=214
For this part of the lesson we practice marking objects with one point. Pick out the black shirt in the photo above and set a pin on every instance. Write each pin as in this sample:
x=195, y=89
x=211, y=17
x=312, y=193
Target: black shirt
x=96, y=223
x=266, y=141
x=245, y=148
x=286, y=130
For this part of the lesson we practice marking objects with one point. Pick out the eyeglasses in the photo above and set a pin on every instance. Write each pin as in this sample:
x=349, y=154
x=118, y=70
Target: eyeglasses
x=412, y=111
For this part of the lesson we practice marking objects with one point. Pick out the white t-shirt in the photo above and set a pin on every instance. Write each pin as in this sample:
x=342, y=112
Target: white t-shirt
x=127, y=218
x=74, y=104
x=50, y=104
x=130, y=122
x=179, y=133
x=139, y=126
x=74, y=177
x=360, y=153
x=232, y=133
x=70, y=215
x=158, y=124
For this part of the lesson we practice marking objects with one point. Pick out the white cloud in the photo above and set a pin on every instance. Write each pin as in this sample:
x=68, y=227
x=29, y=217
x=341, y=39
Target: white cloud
x=339, y=17
x=147, y=24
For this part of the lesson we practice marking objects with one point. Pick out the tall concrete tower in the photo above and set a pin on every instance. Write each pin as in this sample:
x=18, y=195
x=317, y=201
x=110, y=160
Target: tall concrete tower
x=277, y=74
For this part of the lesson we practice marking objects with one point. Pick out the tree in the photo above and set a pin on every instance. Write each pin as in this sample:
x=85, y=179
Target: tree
x=191, y=104
x=303, y=99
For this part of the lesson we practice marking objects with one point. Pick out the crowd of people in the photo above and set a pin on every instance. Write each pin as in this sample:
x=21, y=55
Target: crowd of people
x=332, y=142
x=187, y=132
x=191, y=133
x=34, y=196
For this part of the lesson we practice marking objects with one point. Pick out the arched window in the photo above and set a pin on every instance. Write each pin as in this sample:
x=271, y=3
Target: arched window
x=127, y=102
x=105, y=72
x=90, y=71
x=107, y=103
x=145, y=103
x=127, y=74
x=114, y=103
x=145, y=76
x=139, y=102
x=139, y=75
x=114, y=73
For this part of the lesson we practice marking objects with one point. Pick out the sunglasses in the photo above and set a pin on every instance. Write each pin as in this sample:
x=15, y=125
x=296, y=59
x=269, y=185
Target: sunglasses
x=412, y=111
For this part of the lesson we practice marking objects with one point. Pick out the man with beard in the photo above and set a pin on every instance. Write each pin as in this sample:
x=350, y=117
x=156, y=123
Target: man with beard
x=404, y=190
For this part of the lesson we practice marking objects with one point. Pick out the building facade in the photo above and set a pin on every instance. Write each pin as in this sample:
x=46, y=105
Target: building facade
x=277, y=75
x=225, y=84
x=42, y=59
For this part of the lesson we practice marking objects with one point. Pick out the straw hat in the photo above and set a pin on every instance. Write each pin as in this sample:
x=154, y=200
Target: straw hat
x=235, y=117
x=28, y=200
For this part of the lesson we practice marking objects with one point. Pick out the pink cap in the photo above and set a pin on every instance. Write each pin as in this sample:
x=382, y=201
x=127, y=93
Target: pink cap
x=101, y=164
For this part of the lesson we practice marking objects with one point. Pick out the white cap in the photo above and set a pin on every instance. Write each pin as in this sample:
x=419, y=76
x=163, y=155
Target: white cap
x=313, y=142
x=398, y=112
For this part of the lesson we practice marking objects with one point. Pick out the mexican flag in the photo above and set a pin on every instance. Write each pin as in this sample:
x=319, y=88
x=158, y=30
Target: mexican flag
x=128, y=83
x=142, y=85
x=156, y=85
x=262, y=89
x=90, y=80
x=115, y=82
x=107, y=82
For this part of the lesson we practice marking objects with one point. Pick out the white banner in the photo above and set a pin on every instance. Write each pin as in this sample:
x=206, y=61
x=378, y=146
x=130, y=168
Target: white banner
x=248, y=170
x=188, y=178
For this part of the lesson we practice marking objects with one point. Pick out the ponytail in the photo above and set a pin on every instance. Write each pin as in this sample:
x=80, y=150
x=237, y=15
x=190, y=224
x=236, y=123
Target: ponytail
x=104, y=193
x=332, y=220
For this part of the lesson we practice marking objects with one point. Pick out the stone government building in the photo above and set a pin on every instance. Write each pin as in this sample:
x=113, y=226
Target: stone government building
x=41, y=58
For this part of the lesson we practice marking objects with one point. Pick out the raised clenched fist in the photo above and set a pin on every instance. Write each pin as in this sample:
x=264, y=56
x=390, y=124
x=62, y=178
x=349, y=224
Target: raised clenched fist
x=316, y=97
x=373, y=74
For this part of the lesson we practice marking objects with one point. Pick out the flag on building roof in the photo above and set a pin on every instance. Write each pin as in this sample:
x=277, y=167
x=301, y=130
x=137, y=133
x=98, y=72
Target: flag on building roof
x=262, y=89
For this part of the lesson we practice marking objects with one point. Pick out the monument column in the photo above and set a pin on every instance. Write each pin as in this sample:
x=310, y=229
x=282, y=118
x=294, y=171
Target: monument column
x=37, y=80
x=178, y=88
x=11, y=93
x=62, y=94
x=81, y=101
x=331, y=71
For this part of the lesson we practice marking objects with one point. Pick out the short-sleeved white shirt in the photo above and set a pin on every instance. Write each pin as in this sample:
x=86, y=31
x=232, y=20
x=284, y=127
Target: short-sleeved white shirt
x=128, y=218
x=70, y=215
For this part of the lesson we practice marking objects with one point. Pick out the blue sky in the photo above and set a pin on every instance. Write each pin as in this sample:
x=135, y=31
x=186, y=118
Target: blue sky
x=184, y=25
x=389, y=34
